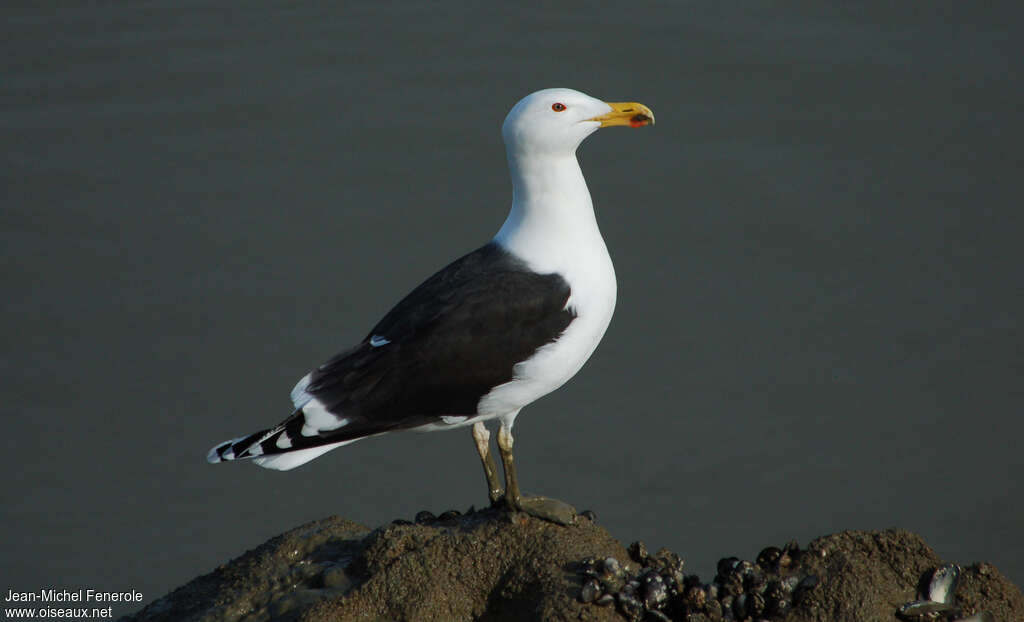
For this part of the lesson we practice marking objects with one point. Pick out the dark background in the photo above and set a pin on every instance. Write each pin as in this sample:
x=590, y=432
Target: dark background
x=818, y=250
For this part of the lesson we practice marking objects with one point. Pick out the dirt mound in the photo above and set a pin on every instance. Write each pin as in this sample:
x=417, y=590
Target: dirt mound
x=493, y=566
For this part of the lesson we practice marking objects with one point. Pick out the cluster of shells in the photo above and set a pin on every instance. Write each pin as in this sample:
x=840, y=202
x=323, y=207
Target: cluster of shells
x=654, y=587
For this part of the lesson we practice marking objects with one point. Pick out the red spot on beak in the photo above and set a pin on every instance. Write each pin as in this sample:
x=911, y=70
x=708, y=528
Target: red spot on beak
x=639, y=120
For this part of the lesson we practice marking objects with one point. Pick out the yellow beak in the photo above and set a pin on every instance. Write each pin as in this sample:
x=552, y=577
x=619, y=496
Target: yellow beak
x=626, y=113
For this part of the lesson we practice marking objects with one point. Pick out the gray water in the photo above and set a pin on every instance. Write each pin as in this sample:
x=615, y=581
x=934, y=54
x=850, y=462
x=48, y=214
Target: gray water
x=818, y=250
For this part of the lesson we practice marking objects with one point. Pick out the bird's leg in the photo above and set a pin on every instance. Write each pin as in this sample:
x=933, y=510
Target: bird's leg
x=482, y=438
x=542, y=507
x=512, y=495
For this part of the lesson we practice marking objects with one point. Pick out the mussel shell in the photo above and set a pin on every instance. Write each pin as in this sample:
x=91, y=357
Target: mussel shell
x=713, y=610
x=629, y=606
x=654, y=591
x=695, y=597
x=769, y=558
x=921, y=610
x=656, y=616
x=726, y=565
x=943, y=583
x=611, y=566
x=739, y=606
x=590, y=592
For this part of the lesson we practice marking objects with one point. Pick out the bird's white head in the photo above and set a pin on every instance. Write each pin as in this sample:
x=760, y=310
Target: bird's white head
x=555, y=121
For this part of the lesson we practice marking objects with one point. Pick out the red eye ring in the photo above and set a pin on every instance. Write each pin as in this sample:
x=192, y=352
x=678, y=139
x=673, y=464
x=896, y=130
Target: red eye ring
x=558, y=106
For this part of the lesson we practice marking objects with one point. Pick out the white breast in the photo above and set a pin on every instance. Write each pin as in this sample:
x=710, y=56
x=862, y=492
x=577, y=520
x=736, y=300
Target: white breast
x=588, y=269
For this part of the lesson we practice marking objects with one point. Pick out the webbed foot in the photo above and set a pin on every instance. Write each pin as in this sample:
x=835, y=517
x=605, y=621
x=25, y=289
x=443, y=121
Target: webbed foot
x=548, y=509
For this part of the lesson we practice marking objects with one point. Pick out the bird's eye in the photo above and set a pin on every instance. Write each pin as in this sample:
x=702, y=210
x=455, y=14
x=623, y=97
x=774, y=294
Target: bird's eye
x=558, y=107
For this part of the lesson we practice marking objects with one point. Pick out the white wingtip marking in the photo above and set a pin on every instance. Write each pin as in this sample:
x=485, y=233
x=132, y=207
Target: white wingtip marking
x=317, y=419
x=283, y=442
x=377, y=341
x=299, y=395
x=453, y=419
x=213, y=456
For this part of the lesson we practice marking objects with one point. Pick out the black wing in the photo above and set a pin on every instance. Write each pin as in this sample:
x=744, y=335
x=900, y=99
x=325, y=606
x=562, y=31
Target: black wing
x=450, y=341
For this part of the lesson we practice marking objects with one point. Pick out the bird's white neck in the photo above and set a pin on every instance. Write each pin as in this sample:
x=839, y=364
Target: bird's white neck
x=552, y=214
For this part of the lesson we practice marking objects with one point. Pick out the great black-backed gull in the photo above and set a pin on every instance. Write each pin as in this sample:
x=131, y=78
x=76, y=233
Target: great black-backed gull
x=490, y=333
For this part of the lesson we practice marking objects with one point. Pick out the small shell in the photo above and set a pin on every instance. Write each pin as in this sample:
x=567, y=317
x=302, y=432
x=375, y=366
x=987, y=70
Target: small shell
x=769, y=558
x=755, y=580
x=605, y=600
x=654, y=591
x=943, y=583
x=665, y=558
x=921, y=610
x=726, y=602
x=739, y=607
x=790, y=553
x=630, y=607
x=590, y=592
x=425, y=517
x=695, y=597
x=726, y=565
x=734, y=586
x=611, y=566
x=713, y=591
x=714, y=610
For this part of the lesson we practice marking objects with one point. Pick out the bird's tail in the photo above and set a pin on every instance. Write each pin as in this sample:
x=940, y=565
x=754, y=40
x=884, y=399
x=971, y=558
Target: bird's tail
x=276, y=448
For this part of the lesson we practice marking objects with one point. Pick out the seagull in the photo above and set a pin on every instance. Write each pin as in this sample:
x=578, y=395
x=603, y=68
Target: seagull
x=490, y=333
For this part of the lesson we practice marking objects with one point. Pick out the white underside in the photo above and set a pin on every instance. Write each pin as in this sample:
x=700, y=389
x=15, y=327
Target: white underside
x=292, y=459
x=450, y=423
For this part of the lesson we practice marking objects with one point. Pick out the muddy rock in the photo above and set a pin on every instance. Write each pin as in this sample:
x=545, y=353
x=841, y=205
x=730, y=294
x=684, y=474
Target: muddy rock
x=275, y=581
x=869, y=575
x=486, y=565
x=493, y=566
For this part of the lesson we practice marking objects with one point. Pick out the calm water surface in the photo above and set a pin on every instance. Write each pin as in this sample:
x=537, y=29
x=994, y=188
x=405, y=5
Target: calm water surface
x=818, y=252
